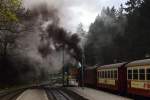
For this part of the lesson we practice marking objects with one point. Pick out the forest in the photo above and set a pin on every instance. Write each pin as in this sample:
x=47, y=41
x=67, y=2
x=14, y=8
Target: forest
x=119, y=35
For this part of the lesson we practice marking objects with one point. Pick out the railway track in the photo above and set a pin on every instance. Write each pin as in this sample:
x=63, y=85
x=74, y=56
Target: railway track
x=62, y=94
x=56, y=94
x=11, y=95
x=41, y=93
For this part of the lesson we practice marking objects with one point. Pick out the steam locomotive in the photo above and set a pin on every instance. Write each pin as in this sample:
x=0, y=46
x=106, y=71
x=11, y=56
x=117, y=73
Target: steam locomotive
x=123, y=78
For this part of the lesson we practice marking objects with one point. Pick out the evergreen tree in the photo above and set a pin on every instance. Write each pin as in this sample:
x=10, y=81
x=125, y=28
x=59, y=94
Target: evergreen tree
x=100, y=48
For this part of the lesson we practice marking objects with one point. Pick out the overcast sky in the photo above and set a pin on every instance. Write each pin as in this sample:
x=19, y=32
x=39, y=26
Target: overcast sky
x=74, y=12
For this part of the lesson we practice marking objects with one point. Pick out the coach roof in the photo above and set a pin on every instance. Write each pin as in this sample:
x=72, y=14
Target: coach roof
x=90, y=67
x=111, y=66
x=139, y=63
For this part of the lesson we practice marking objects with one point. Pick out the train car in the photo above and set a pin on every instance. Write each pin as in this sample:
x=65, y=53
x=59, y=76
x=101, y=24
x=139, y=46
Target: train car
x=90, y=78
x=138, y=77
x=72, y=78
x=112, y=77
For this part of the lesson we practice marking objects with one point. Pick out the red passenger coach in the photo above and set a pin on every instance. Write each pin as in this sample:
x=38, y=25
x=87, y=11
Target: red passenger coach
x=90, y=76
x=112, y=77
x=138, y=73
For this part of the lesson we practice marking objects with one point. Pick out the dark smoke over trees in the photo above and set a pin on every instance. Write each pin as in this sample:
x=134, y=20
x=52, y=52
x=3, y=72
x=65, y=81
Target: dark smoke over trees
x=32, y=45
x=61, y=40
x=120, y=35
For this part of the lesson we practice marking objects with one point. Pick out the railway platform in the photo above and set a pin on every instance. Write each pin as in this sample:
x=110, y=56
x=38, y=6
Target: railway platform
x=93, y=94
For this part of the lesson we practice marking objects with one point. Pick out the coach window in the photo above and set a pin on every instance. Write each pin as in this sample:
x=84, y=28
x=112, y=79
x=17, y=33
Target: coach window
x=99, y=74
x=142, y=74
x=105, y=74
x=102, y=74
x=135, y=74
x=108, y=74
x=115, y=74
x=148, y=73
x=129, y=74
x=112, y=74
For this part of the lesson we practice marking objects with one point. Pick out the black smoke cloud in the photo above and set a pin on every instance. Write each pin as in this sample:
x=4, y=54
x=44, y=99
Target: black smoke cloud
x=61, y=40
x=53, y=37
x=39, y=50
